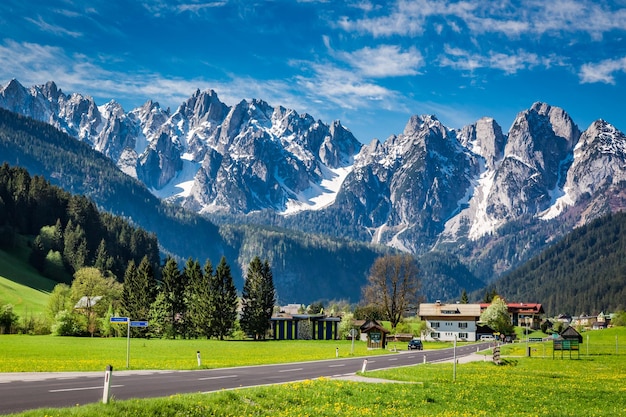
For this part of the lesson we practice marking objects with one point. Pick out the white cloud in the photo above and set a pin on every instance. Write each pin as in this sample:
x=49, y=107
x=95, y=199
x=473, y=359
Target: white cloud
x=54, y=29
x=384, y=61
x=602, y=72
x=528, y=18
x=460, y=59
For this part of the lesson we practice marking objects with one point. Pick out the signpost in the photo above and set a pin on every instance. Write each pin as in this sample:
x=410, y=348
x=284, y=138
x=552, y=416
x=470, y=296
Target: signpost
x=129, y=323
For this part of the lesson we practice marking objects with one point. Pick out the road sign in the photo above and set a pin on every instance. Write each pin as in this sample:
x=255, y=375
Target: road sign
x=119, y=319
x=535, y=339
x=141, y=323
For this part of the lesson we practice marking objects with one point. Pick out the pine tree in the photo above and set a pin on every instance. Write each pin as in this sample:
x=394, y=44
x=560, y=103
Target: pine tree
x=258, y=299
x=139, y=291
x=103, y=261
x=196, y=298
x=173, y=288
x=222, y=301
x=464, y=297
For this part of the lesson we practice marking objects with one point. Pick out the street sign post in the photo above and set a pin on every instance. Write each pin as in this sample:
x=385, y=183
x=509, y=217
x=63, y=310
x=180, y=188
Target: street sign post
x=129, y=323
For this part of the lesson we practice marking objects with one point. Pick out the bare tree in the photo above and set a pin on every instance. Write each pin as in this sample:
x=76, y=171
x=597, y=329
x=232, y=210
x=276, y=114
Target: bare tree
x=393, y=285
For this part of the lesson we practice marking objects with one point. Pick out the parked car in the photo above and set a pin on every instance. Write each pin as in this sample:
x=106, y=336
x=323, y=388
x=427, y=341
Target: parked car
x=415, y=344
x=487, y=337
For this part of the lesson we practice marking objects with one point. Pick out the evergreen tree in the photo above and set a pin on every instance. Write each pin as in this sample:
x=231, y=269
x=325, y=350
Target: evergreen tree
x=197, y=298
x=103, y=261
x=173, y=290
x=139, y=291
x=257, y=299
x=464, y=297
x=222, y=300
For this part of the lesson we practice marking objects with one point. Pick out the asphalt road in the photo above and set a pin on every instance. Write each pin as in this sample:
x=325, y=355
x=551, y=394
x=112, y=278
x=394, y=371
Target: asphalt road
x=20, y=392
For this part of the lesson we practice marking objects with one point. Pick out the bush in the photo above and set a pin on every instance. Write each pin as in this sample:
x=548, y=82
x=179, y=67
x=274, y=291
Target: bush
x=8, y=319
x=67, y=323
x=33, y=324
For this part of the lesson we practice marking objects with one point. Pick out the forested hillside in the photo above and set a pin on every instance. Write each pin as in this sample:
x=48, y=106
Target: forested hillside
x=69, y=232
x=585, y=272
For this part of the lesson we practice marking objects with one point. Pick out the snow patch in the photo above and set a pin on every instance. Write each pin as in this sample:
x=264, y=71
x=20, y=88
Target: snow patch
x=318, y=196
x=181, y=184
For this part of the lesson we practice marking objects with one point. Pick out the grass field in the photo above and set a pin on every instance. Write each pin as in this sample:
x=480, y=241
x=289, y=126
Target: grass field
x=62, y=354
x=22, y=286
x=594, y=385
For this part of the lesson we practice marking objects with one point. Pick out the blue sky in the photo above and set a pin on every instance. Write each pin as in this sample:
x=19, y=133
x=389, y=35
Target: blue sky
x=370, y=64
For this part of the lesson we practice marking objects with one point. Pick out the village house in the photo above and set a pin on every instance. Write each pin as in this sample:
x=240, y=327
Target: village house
x=523, y=314
x=448, y=322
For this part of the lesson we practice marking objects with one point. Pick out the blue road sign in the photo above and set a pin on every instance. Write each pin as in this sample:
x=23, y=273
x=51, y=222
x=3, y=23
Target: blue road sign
x=119, y=319
x=139, y=323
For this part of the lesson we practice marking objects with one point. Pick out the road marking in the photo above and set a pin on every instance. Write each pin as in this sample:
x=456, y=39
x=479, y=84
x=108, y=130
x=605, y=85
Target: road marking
x=218, y=377
x=291, y=370
x=335, y=366
x=82, y=388
x=392, y=359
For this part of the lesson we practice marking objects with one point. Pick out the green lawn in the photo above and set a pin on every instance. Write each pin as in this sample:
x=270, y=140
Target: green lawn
x=27, y=353
x=593, y=385
x=22, y=286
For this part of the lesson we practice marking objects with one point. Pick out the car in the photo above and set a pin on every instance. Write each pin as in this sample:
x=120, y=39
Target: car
x=487, y=337
x=415, y=344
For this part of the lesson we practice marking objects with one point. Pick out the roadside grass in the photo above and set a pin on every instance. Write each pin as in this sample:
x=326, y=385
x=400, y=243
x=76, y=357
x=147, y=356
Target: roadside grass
x=64, y=354
x=595, y=385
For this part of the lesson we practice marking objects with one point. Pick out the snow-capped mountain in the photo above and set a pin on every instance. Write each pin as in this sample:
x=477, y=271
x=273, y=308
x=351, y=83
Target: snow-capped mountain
x=206, y=156
x=418, y=190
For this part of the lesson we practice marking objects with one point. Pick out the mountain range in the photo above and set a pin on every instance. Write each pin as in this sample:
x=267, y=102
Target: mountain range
x=488, y=199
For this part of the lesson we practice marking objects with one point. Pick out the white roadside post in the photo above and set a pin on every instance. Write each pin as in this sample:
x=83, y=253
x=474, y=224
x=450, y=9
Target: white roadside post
x=199, y=359
x=364, y=366
x=454, y=366
x=107, y=384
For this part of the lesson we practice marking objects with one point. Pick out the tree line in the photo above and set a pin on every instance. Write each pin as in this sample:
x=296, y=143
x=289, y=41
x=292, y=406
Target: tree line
x=197, y=301
x=69, y=231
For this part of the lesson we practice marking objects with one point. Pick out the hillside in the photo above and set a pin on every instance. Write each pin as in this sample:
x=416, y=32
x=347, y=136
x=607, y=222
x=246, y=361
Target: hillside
x=21, y=285
x=585, y=272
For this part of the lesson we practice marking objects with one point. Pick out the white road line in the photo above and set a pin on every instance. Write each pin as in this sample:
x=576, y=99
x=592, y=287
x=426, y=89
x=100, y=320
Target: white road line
x=291, y=370
x=218, y=377
x=335, y=366
x=392, y=359
x=82, y=388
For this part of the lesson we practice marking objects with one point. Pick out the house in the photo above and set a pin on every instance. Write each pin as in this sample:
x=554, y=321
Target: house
x=523, y=314
x=448, y=322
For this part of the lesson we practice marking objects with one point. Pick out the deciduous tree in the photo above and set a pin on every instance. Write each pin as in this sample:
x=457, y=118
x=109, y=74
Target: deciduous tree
x=497, y=316
x=393, y=285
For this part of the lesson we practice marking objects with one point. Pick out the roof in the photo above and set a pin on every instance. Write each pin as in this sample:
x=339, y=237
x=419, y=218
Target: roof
x=523, y=308
x=570, y=334
x=449, y=310
x=87, y=302
x=370, y=325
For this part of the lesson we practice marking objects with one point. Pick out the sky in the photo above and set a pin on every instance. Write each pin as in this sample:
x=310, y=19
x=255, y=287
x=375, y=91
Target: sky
x=369, y=64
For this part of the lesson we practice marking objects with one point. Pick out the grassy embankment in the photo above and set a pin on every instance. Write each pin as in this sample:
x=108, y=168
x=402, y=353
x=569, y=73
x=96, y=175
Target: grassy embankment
x=21, y=285
x=594, y=385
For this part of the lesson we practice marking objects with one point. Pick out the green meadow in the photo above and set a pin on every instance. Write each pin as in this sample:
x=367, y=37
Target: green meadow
x=21, y=285
x=594, y=385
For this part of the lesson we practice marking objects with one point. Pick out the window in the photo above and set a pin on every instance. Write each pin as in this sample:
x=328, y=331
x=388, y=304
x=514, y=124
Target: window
x=434, y=335
x=462, y=335
x=434, y=325
x=462, y=325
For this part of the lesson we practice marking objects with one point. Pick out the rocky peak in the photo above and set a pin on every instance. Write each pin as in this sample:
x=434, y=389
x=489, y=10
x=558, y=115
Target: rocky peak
x=484, y=138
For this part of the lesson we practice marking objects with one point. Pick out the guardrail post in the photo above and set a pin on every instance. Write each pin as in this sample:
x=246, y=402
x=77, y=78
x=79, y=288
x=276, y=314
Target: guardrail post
x=107, y=384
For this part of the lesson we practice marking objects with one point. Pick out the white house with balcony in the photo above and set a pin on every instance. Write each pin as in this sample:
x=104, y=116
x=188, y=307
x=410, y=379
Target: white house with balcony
x=447, y=321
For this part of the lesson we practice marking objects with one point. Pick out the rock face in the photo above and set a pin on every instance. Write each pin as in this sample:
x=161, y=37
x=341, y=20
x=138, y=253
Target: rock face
x=416, y=190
